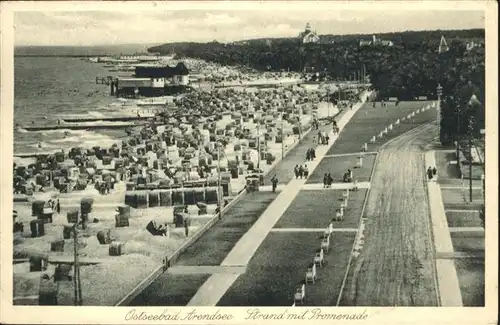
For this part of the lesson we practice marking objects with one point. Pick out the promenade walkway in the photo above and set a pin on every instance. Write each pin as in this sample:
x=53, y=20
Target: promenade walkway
x=214, y=245
x=216, y=286
x=448, y=285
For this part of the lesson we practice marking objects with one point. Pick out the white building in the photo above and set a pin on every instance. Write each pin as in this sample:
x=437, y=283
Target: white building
x=308, y=35
x=375, y=42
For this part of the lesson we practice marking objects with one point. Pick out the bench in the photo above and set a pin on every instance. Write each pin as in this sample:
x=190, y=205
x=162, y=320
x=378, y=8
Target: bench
x=300, y=294
x=339, y=215
x=325, y=244
x=311, y=274
x=318, y=258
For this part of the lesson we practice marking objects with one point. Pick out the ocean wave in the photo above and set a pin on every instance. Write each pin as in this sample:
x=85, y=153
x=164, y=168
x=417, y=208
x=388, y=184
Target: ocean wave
x=83, y=136
x=58, y=131
x=96, y=114
x=86, y=140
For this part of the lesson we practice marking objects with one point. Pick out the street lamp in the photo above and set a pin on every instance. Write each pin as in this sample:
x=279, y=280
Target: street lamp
x=282, y=138
x=474, y=103
x=258, y=145
x=439, y=93
x=470, y=158
x=219, y=180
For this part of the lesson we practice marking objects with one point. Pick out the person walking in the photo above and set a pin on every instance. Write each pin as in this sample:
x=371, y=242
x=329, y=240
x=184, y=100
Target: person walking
x=329, y=180
x=434, y=172
x=308, y=154
x=186, y=226
x=301, y=171
x=327, y=138
x=296, y=171
x=58, y=207
x=306, y=171
x=429, y=173
x=325, y=181
x=274, y=181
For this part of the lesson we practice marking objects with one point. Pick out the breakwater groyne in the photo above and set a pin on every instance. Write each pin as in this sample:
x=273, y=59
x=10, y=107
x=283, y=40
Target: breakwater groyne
x=33, y=128
x=107, y=119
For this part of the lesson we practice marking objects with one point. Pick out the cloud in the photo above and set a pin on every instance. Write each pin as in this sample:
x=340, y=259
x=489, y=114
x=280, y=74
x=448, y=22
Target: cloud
x=220, y=19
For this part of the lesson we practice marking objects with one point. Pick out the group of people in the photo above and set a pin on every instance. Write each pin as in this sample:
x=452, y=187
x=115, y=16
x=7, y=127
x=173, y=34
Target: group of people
x=431, y=172
x=323, y=138
x=315, y=124
x=310, y=154
x=327, y=180
x=347, y=178
x=301, y=171
x=54, y=205
x=103, y=188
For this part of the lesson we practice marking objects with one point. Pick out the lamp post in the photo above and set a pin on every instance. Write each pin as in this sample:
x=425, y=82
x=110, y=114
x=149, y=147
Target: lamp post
x=470, y=158
x=282, y=138
x=76, y=269
x=474, y=104
x=75, y=266
x=457, y=134
x=219, y=181
x=258, y=145
x=439, y=93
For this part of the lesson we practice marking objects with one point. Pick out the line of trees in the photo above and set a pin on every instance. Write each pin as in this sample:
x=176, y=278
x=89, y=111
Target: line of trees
x=412, y=67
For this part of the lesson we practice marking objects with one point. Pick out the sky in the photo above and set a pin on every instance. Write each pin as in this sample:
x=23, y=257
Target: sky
x=163, y=26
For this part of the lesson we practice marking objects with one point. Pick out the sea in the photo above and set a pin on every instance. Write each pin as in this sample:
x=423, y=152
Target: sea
x=49, y=88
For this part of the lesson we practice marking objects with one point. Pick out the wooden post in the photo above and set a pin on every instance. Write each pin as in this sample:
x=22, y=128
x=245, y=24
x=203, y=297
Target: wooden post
x=282, y=138
x=221, y=196
x=258, y=146
x=470, y=160
x=75, y=263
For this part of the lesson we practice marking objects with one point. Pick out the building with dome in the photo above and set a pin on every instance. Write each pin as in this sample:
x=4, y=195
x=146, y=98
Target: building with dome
x=308, y=35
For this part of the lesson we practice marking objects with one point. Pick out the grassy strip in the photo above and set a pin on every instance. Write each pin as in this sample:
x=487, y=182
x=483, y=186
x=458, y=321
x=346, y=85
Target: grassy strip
x=468, y=242
x=446, y=170
x=370, y=121
x=337, y=166
x=463, y=219
x=213, y=246
x=471, y=279
x=451, y=196
x=170, y=290
x=279, y=265
x=315, y=209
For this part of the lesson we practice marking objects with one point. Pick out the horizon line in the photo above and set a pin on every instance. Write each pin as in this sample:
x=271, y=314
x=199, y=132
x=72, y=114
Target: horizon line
x=249, y=39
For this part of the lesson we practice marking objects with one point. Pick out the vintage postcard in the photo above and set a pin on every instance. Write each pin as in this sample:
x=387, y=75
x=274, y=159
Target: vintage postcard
x=249, y=162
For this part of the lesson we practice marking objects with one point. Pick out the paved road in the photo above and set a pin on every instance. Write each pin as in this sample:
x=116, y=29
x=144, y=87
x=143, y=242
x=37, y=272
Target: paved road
x=396, y=265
